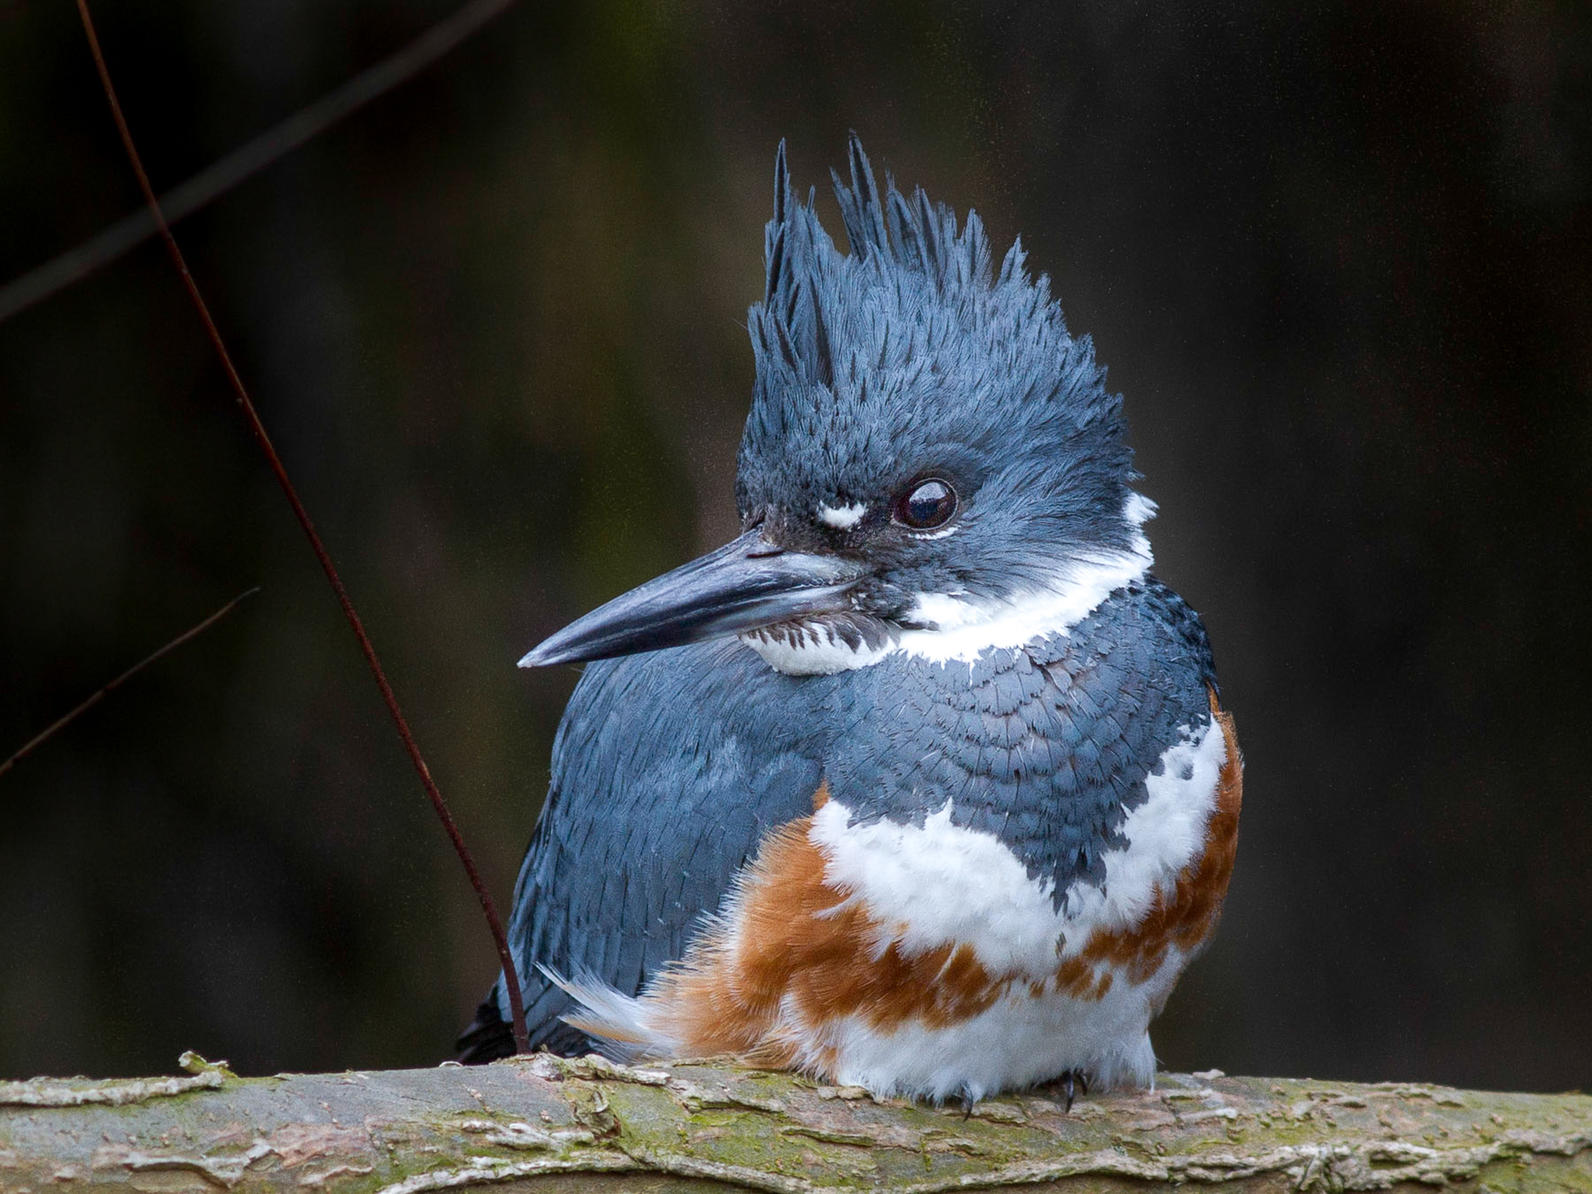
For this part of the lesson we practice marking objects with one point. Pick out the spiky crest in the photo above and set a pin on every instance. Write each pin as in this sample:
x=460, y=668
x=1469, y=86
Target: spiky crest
x=908, y=340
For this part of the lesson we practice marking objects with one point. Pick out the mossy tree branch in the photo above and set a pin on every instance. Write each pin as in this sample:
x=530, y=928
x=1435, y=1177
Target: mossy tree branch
x=544, y=1123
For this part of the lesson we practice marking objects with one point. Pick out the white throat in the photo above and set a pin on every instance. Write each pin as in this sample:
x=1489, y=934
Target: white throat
x=954, y=626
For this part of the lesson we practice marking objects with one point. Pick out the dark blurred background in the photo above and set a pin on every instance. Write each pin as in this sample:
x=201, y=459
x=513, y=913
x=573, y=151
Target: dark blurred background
x=1337, y=258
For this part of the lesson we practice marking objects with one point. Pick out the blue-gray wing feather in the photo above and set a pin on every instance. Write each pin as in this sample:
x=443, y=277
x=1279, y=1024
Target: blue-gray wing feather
x=665, y=778
x=671, y=767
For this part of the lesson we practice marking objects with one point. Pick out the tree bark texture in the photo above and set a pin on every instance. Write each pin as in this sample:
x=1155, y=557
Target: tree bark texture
x=547, y=1124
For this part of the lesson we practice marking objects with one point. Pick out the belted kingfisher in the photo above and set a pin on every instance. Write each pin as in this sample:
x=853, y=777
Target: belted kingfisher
x=921, y=784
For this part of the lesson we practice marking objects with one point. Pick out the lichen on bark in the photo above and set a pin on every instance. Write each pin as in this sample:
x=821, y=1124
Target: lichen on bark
x=551, y=1124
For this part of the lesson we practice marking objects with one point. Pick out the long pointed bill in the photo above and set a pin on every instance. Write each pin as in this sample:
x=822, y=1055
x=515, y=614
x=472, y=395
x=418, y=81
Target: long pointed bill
x=744, y=584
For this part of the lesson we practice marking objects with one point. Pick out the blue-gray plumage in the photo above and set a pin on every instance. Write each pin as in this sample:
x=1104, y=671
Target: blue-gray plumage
x=648, y=819
x=671, y=766
x=939, y=617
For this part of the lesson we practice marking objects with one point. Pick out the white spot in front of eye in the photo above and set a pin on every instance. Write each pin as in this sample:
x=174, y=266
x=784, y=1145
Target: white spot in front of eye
x=842, y=518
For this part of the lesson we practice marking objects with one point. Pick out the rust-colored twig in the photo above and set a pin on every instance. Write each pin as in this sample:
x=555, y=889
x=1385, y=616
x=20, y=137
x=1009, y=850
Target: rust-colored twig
x=232, y=168
x=61, y=723
x=246, y=405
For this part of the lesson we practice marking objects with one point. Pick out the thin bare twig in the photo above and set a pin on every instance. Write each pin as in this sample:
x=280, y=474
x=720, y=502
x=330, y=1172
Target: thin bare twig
x=246, y=405
x=61, y=723
x=228, y=171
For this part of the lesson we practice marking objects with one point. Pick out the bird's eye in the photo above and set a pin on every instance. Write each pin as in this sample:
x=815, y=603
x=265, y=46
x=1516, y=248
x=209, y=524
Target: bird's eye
x=927, y=505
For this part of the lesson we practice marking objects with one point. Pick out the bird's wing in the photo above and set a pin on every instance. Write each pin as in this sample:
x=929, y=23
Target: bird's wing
x=665, y=778
x=670, y=769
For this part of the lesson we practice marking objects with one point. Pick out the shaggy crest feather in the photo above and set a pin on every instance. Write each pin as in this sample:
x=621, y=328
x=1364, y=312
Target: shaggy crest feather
x=914, y=329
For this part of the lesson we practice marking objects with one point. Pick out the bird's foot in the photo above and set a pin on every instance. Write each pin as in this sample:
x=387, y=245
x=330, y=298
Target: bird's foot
x=1072, y=1082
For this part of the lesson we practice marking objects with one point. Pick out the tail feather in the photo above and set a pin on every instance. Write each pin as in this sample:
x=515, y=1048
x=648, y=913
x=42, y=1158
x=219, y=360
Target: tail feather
x=624, y=1027
x=488, y=1037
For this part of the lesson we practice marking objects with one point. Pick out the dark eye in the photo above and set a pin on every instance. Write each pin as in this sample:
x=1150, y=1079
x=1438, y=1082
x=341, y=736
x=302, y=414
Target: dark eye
x=927, y=505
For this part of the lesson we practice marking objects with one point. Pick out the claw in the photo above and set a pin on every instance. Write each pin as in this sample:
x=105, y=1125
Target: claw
x=1072, y=1083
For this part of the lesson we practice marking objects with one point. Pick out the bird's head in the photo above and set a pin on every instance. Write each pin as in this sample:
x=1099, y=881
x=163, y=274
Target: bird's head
x=931, y=462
